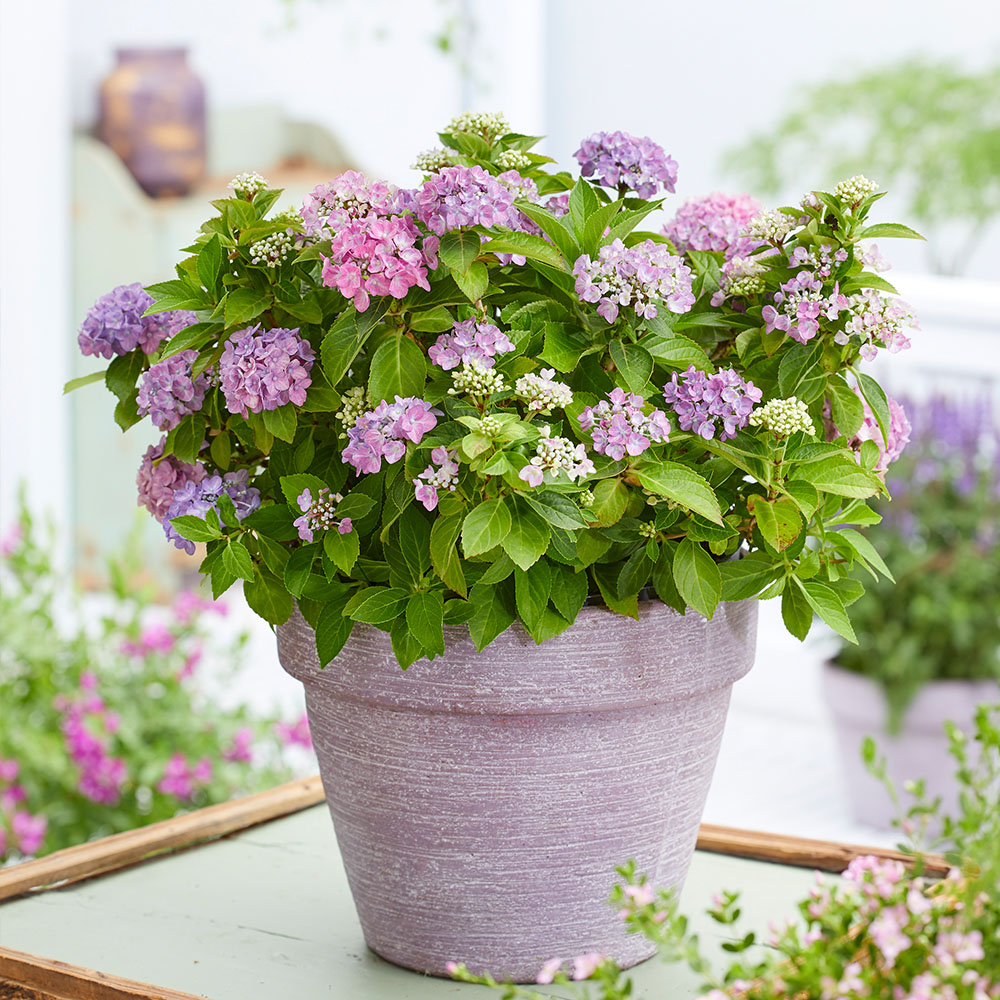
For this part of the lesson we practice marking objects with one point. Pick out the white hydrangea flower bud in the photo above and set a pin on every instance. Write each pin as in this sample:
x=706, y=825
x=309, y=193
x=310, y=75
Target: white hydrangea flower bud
x=248, y=185
x=476, y=380
x=783, y=417
x=772, y=226
x=271, y=250
x=855, y=189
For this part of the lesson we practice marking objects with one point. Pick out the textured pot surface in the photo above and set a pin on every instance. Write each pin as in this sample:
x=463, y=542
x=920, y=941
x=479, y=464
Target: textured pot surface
x=482, y=801
x=919, y=750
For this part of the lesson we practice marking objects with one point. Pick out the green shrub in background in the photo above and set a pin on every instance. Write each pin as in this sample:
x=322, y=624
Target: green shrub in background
x=928, y=129
x=104, y=726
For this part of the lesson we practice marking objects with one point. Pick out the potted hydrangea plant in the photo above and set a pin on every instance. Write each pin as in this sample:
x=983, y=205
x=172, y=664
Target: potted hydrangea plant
x=929, y=648
x=493, y=430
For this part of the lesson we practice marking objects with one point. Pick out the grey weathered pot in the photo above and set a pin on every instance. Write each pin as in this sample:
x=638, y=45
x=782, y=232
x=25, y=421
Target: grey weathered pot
x=919, y=750
x=482, y=800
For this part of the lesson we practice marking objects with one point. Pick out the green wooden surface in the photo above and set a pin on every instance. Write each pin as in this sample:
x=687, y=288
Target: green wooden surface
x=267, y=914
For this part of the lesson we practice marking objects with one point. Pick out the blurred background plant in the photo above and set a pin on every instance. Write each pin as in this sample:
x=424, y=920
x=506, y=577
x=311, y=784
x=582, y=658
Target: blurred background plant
x=940, y=534
x=927, y=127
x=106, y=723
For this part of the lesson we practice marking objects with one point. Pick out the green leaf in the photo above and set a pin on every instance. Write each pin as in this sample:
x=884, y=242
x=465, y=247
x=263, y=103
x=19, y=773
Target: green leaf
x=796, y=612
x=583, y=202
x=123, y=373
x=843, y=477
x=568, y=590
x=527, y=245
x=343, y=342
x=779, y=521
x=188, y=437
x=663, y=580
x=531, y=590
x=553, y=228
x=282, y=422
x=306, y=311
x=292, y=486
x=274, y=521
x=697, y=577
x=474, y=282
x=610, y=501
x=563, y=347
x=745, y=578
x=827, y=603
x=210, y=263
x=79, y=383
x=398, y=369
x=528, y=536
x=847, y=410
x=245, y=304
x=492, y=615
x=195, y=529
x=458, y=611
x=485, y=526
x=634, y=362
x=405, y=646
x=343, y=550
x=677, y=352
x=221, y=450
x=333, y=630
x=556, y=508
x=860, y=281
x=800, y=373
x=425, y=620
x=865, y=549
x=635, y=573
x=593, y=232
x=414, y=542
x=444, y=552
x=682, y=485
x=268, y=597
x=606, y=578
x=805, y=496
x=298, y=567
x=889, y=230
x=236, y=559
x=875, y=397
x=376, y=605
x=458, y=249
x=436, y=320
x=355, y=506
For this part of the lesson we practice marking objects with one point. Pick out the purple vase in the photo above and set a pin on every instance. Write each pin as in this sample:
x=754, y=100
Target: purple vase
x=152, y=114
x=481, y=801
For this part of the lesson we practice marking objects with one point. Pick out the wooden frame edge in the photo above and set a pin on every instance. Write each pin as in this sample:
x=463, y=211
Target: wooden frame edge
x=109, y=853
x=47, y=979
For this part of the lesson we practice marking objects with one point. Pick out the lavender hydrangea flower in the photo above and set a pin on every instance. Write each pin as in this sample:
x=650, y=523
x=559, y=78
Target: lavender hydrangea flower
x=349, y=196
x=469, y=341
x=462, y=196
x=620, y=427
x=699, y=400
x=626, y=162
x=877, y=322
x=198, y=498
x=441, y=474
x=635, y=276
x=713, y=222
x=167, y=392
x=264, y=369
x=159, y=478
x=558, y=204
x=114, y=324
x=320, y=514
x=802, y=302
x=384, y=431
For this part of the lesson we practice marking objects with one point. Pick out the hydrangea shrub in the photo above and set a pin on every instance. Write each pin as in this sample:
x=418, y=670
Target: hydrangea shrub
x=509, y=390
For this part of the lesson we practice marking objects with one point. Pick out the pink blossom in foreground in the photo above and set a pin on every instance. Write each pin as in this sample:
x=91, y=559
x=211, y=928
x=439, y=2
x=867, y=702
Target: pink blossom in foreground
x=296, y=734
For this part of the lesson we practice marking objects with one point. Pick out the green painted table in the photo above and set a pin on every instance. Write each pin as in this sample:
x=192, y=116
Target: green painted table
x=266, y=913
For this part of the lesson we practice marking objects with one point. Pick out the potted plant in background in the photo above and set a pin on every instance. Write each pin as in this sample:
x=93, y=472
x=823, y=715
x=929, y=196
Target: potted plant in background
x=493, y=431
x=929, y=644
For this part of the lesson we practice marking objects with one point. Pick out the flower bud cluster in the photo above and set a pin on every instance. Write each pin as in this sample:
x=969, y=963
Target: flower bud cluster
x=488, y=124
x=555, y=455
x=248, y=185
x=741, y=277
x=783, y=417
x=490, y=426
x=319, y=513
x=476, y=380
x=431, y=161
x=855, y=189
x=542, y=392
x=272, y=250
x=770, y=226
x=353, y=403
x=513, y=159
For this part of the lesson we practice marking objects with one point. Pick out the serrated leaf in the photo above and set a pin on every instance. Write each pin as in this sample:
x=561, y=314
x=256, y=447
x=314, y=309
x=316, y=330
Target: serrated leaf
x=188, y=437
x=79, y=383
x=293, y=486
x=123, y=373
x=864, y=548
x=846, y=408
x=236, y=559
x=634, y=362
x=528, y=536
x=745, y=578
x=531, y=590
x=826, y=602
x=697, y=577
x=796, y=612
x=268, y=597
x=210, y=263
x=779, y=521
x=298, y=567
x=398, y=368
x=610, y=501
x=805, y=496
x=195, y=528
x=600, y=220
x=245, y=304
x=444, y=552
x=889, y=230
x=458, y=249
x=333, y=630
x=682, y=485
x=282, y=422
x=492, y=614
x=485, y=526
x=677, y=352
x=474, y=282
x=877, y=401
x=556, y=508
x=843, y=477
x=425, y=620
x=376, y=605
x=799, y=373
x=583, y=202
x=342, y=549
x=526, y=245
x=436, y=320
x=568, y=590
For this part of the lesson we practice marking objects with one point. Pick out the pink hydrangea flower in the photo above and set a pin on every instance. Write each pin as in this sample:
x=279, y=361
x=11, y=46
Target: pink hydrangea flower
x=620, y=427
x=548, y=971
x=159, y=478
x=713, y=222
x=264, y=369
x=584, y=966
x=441, y=474
x=349, y=196
x=469, y=342
x=382, y=433
x=459, y=196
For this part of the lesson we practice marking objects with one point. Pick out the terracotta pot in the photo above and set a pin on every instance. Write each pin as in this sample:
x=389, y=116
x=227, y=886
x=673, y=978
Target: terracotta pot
x=918, y=750
x=482, y=800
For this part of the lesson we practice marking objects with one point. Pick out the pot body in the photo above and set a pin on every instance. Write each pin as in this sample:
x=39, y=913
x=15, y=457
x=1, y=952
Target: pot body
x=482, y=800
x=918, y=750
x=152, y=114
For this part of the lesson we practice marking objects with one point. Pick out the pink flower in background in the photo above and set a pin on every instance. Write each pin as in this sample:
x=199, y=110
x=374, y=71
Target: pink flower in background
x=11, y=541
x=102, y=776
x=584, y=966
x=190, y=664
x=188, y=604
x=239, y=748
x=155, y=638
x=713, y=222
x=29, y=830
x=9, y=769
x=181, y=780
x=548, y=971
x=296, y=734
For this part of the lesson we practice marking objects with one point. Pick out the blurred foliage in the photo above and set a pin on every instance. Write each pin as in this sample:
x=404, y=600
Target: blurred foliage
x=929, y=129
x=941, y=537
x=104, y=724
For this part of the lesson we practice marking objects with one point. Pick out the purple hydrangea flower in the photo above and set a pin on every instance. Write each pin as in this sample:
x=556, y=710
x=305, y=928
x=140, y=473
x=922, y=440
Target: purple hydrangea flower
x=713, y=222
x=167, y=392
x=384, y=431
x=441, y=474
x=198, y=498
x=620, y=427
x=159, y=478
x=469, y=341
x=463, y=196
x=624, y=161
x=877, y=322
x=264, y=369
x=635, y=276
x=349, y=196
x=320, y=514
x=802, y=302
x=558, y=204
x=375, y=256
x=699, y=400
x=114, y=324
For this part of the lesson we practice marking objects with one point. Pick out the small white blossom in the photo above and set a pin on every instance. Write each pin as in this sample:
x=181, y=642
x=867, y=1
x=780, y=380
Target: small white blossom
x=476, y=380
x=485, y=123
x=248, y=185
x=541, y=392
x=783, y=417
x=430, y=161
x=555, y=455
x=855, y=189
x=513, y=159
x=271, y=250
x=354, y=402
x=771, y=225
x=491, y=426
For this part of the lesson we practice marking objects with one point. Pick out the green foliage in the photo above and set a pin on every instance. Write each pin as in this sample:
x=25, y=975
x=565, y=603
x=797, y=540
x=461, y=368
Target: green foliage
x=929, y=128
x=125, y=669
